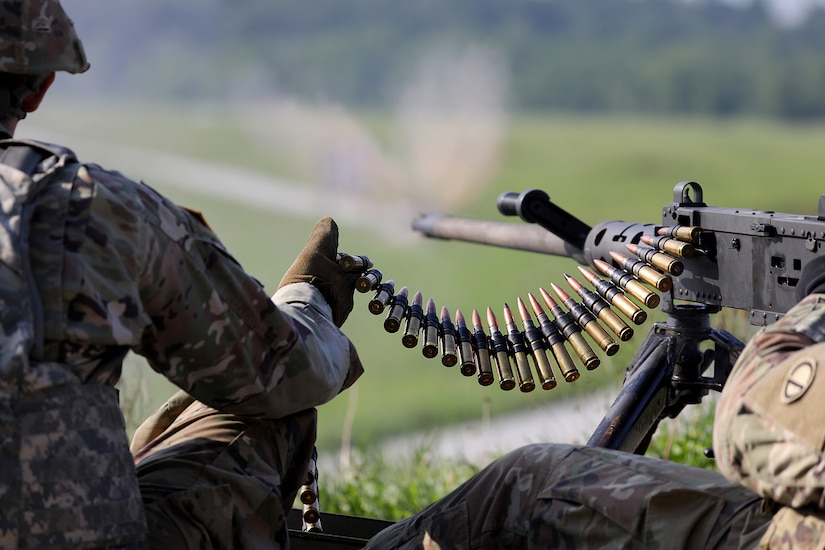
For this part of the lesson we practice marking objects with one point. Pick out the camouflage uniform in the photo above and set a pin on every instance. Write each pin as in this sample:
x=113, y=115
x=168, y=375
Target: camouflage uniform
x=562, y=496
x=217, y=480
x=93, y=265
x=769, y=432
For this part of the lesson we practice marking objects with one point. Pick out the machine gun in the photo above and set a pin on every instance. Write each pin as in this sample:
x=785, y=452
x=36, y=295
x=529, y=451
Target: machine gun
x=735, y=258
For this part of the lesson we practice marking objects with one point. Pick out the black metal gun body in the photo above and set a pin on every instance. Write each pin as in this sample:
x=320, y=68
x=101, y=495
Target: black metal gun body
x=746, y=259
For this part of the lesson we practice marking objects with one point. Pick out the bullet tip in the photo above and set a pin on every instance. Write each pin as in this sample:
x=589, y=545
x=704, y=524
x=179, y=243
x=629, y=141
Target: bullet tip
x=547, y=298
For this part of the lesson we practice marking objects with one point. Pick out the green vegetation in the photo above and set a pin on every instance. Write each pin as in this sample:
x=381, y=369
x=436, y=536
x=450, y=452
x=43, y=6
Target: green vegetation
x=657, y=56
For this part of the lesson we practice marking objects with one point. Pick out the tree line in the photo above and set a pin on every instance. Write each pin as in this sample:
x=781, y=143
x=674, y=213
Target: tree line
x=645, y=56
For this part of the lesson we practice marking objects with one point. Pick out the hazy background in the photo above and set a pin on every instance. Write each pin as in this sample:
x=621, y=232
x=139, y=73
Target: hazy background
x=268, y=114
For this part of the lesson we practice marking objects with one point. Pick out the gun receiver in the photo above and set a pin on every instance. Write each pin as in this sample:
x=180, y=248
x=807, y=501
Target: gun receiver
x=744, y=259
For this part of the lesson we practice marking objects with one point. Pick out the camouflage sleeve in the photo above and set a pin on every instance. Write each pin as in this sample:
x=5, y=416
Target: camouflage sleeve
x=769, y=431
x=217, y=335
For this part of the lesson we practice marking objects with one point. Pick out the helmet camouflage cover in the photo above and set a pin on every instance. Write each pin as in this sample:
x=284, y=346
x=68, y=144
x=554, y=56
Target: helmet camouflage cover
x=37, y=37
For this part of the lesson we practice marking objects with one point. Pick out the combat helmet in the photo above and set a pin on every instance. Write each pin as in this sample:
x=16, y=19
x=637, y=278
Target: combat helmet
x=37, y=37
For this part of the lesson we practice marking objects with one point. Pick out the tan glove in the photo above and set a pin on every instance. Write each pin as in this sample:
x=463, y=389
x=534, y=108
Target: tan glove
x=317, y=266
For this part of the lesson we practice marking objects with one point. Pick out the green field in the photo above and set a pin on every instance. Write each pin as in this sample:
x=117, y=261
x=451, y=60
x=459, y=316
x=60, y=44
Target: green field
x=597, y=168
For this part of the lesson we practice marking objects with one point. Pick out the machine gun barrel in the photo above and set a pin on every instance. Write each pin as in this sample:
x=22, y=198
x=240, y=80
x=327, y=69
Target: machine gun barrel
x=529, y=238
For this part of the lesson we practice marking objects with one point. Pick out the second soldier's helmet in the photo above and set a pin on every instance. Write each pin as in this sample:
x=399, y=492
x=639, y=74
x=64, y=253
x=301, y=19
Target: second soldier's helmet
x=37, y=37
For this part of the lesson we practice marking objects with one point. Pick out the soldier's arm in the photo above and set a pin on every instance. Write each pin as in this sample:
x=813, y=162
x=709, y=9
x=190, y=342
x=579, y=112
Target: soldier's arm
x=769, y=430
x=216, y=334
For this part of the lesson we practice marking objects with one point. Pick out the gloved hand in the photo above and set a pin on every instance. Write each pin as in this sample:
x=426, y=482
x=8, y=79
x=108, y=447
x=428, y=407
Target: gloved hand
x=317, y=266
x=812, y=279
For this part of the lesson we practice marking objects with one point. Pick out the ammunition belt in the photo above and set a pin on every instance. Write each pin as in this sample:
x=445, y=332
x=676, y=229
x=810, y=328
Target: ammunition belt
x=622, y=288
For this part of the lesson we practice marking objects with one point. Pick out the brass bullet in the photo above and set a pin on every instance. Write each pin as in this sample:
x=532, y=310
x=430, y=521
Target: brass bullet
x=516, y=339
x=465, y=345
x=615, y=296
x=538, y=349
x=677, y=248
x=556, y=342
x=657, y=259
x=398, y=307
x=601, y=309
x=429, y=344
x=643, y=271
x=368, y=281
x=627, y=282
x=381, y=298
x=447, y=341
x=415, y=316
x=500, y=353
x=349, y=262
x=572, y=332
x=482, y=352
x=586, y=320
x=689, y=233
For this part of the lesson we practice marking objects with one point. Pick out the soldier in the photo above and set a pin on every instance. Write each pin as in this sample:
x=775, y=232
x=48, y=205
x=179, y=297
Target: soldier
x=769, y=435
x=93, y=264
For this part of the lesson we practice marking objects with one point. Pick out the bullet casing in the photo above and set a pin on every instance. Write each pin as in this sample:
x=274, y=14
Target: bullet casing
x=682, y=232
x=413, y=326
x=602, y=310
x=382, y=298
x=539, y=354
x=467, y=365
x=680, y=249
x=524, y=375
x=616, y=297
x=632, y=286
x=482, y=356
x=660, y=260
x=500, y=354
x=368, y=281
x=398, y=307
x=649, y=275
x=555, y=341
x=449, y=358
x=587, y=321
x=429, y=344
x=572, y=333
x=353, y=263
x=311, y=515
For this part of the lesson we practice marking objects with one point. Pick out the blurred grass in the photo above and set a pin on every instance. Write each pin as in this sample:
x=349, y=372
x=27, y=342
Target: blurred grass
x=596, y=168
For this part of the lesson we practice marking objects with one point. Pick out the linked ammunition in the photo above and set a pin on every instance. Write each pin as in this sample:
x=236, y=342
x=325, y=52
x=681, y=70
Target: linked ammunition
x=516, y=339
x=682, y=232
x=382, y=297
x=643, y=271
x=482, y=351
x=601, y=309
x=572, y=332
x=415, y=316
x=615, y=296
x=429, y=345
x=537, y=348
x=587, y=321
x=657, y=259
x=500, y=353
x=630, y=284
x=348, y=262
x=447, y=340
x=398, y=307
x=465, y=345
x=309, y=496
x=368, y=281
x=675, y=247
x=556, y=341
